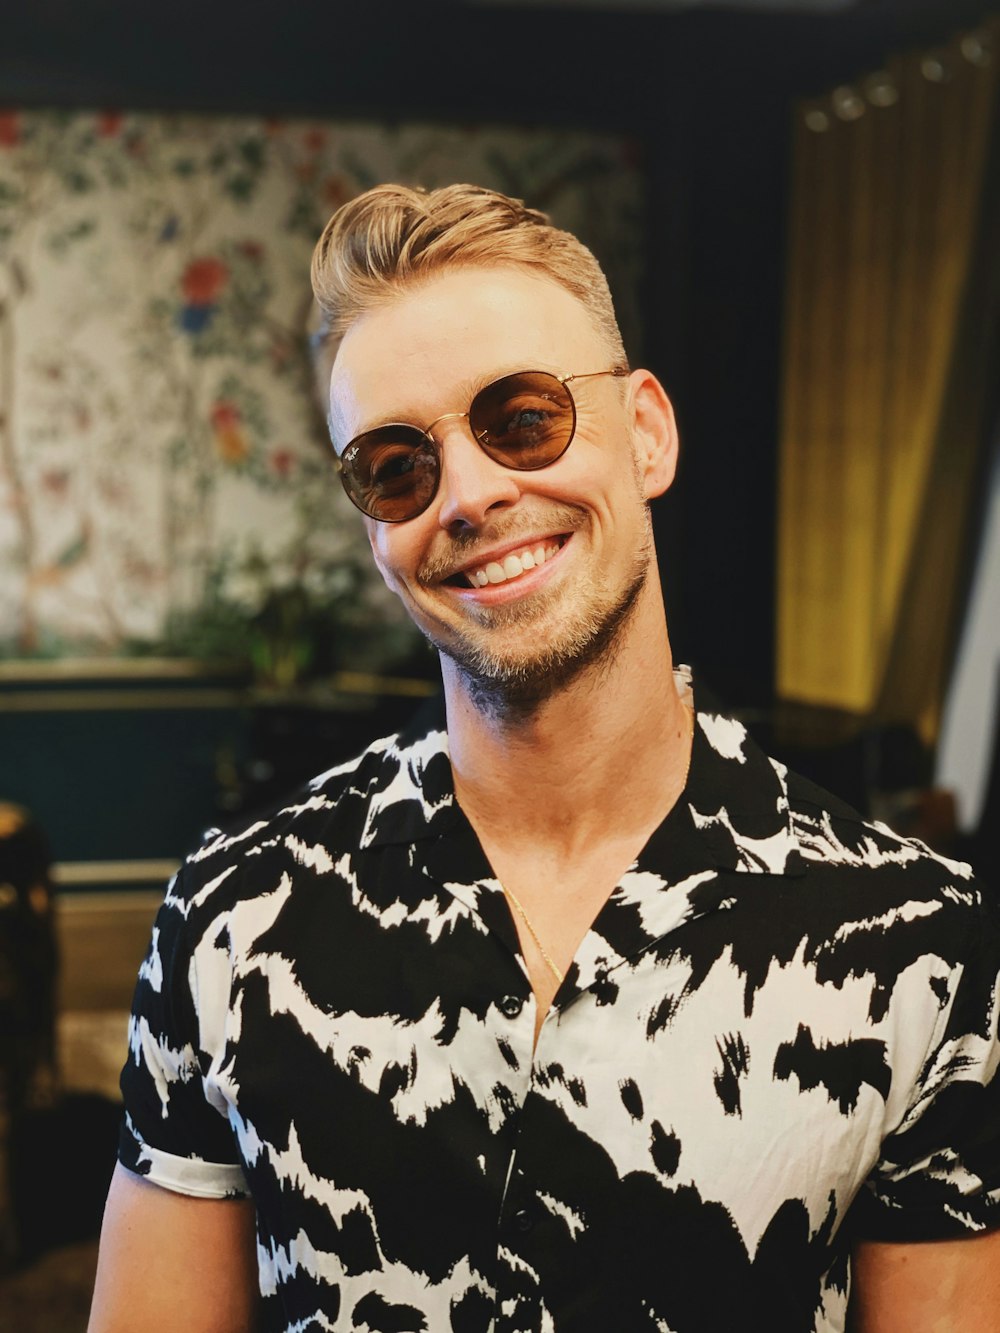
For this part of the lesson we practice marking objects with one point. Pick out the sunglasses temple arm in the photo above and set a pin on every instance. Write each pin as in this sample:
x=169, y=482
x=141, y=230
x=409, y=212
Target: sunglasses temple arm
x=619, y=372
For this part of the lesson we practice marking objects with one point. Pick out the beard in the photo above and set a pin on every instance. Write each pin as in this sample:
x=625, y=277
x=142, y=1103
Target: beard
x=560, y=641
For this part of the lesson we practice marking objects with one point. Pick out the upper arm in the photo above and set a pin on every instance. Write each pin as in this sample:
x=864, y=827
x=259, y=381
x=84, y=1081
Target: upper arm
x=170, y=1261
x=939, y=1286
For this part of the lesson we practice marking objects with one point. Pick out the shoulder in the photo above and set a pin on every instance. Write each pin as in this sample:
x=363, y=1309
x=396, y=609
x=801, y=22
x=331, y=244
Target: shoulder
x=893, y=885
x=830, y=830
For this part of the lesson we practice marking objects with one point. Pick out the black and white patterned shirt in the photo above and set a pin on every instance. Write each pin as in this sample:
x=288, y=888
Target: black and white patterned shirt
x=779, y=1034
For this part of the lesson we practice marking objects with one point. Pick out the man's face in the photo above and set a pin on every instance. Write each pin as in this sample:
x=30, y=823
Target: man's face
x=582, y=520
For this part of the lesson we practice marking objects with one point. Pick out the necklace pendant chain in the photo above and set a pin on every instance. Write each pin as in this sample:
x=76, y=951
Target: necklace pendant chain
x=553, y=968
x=556, y=971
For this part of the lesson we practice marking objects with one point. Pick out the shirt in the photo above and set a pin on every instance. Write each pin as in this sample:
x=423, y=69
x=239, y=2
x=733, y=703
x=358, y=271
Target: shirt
x=779, y=1034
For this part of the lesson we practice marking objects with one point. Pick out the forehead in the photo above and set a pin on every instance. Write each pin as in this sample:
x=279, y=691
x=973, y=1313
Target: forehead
x=427, y=350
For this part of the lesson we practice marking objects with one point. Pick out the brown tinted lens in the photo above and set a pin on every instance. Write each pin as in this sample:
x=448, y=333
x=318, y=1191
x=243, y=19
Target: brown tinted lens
x=391, y=473
x=524, y=421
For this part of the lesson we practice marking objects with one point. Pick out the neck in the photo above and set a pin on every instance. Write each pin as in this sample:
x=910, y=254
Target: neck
x=605, y=754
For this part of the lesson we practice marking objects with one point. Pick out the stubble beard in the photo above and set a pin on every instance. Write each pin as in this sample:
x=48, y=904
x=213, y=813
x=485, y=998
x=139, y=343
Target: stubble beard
x=510, y=686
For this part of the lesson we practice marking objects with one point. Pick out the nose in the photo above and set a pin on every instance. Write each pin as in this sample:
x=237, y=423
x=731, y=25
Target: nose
x=471, y=483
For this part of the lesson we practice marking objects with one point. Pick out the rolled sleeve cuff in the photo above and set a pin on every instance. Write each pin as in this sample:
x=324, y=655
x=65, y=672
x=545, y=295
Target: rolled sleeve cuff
x=875, y=1218
x=183, y=1175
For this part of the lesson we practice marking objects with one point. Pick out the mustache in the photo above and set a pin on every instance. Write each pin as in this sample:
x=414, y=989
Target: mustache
x=455, y=551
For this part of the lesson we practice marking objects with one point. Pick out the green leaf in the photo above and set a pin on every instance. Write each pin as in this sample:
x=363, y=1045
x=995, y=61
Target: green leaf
x=78, y=181
x=252, y=153
x=73, y=553
x=240, y=187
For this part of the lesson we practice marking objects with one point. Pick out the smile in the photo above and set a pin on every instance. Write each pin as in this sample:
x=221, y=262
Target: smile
x=512, y=566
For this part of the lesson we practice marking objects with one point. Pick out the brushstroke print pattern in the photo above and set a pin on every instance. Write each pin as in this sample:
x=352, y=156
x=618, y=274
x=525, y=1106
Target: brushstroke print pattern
x=781, y=1031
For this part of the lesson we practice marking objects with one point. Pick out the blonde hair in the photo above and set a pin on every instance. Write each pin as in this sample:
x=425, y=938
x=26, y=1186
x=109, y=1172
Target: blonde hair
x=381, y=243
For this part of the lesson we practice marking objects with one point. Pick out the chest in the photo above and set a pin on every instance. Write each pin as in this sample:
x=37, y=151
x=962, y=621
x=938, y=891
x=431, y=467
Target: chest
x=377, y=1062
x=554, y=903
x=387, y=1041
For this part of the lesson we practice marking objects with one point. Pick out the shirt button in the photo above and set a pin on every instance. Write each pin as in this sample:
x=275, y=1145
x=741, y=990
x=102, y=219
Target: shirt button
x=523, y=1219
x=510, y=1005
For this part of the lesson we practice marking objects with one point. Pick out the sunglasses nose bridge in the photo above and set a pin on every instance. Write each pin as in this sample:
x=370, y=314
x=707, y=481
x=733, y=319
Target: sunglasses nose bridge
x=445, y=416
x=471, y=481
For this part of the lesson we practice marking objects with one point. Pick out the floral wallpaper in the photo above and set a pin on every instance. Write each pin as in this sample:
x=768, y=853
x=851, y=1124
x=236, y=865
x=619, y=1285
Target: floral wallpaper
x=165, y=477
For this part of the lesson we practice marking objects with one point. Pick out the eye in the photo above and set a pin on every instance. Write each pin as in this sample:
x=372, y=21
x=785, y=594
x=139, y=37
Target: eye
x=390, y=467
x=391, y=473
x=523, y=414
x=524, y=420
x=523, y=417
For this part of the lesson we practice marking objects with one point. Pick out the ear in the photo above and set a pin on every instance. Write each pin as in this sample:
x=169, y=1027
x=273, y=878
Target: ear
x=655, y=432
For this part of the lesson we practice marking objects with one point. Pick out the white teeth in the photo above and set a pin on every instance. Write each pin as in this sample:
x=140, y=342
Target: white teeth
x=511, y=565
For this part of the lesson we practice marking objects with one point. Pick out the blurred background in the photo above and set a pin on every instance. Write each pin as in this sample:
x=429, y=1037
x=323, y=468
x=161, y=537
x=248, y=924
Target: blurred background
x=798, y=207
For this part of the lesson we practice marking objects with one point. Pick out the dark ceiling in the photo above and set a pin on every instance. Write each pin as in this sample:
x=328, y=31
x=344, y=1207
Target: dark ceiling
x=598, y=64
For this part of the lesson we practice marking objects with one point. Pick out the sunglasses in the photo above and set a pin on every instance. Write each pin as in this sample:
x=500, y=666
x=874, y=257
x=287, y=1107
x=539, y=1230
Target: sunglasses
x=524, y=421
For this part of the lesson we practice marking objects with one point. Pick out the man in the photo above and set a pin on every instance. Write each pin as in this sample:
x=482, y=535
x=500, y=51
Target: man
x=566, y=1010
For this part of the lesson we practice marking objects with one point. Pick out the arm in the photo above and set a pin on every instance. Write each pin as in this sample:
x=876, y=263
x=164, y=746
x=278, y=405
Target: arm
x=170, y=1261
x=938, y=1286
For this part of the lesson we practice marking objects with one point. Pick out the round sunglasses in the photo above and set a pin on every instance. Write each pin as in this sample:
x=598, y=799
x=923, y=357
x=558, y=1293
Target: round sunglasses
x=524, y=421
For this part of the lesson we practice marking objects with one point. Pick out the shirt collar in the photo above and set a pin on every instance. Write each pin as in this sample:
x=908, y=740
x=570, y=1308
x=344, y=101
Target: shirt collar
x=731, y=823
x=737, y=801
x=733, y=814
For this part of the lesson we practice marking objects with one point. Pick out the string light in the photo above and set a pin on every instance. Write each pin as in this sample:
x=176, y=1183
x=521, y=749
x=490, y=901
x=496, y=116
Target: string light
x=935, y=69
x=847, y=103
x=817, y=120
x=880, y=89
x=977, y=48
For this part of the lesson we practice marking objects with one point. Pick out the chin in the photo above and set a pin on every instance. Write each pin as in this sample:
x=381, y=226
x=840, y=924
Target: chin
x=513, y=682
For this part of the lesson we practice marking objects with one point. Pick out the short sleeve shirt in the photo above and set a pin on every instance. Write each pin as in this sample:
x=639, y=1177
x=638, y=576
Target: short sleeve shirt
x=780, y=1034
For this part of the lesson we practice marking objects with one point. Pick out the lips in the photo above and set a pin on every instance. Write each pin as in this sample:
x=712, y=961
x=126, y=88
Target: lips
x=512, y=565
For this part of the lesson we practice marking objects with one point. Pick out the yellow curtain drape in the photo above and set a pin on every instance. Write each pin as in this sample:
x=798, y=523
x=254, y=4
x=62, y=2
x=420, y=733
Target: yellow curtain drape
x=886, y=210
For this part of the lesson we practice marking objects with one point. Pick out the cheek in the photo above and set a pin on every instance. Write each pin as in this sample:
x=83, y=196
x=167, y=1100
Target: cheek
x=391, y=555
x=375, y=541
x=606, y=462
x=386, y=576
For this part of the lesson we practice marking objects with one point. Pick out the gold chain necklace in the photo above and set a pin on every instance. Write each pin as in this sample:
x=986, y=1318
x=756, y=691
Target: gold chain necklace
x=533, y=933
x=515, y=901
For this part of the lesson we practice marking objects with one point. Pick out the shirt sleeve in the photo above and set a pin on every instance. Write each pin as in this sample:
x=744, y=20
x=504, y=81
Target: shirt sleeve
x=175, y=1133
x=939, y=1173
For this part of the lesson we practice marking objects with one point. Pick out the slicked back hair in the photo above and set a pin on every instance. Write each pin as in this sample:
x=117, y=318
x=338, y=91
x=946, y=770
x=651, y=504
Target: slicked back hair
x=391, y=237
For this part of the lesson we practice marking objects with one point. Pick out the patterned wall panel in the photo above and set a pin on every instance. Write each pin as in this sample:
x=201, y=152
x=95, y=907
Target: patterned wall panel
x=164, y=473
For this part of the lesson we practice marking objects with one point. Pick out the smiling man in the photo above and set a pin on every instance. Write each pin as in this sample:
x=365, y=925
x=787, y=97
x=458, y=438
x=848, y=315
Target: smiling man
x=565, y=1009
